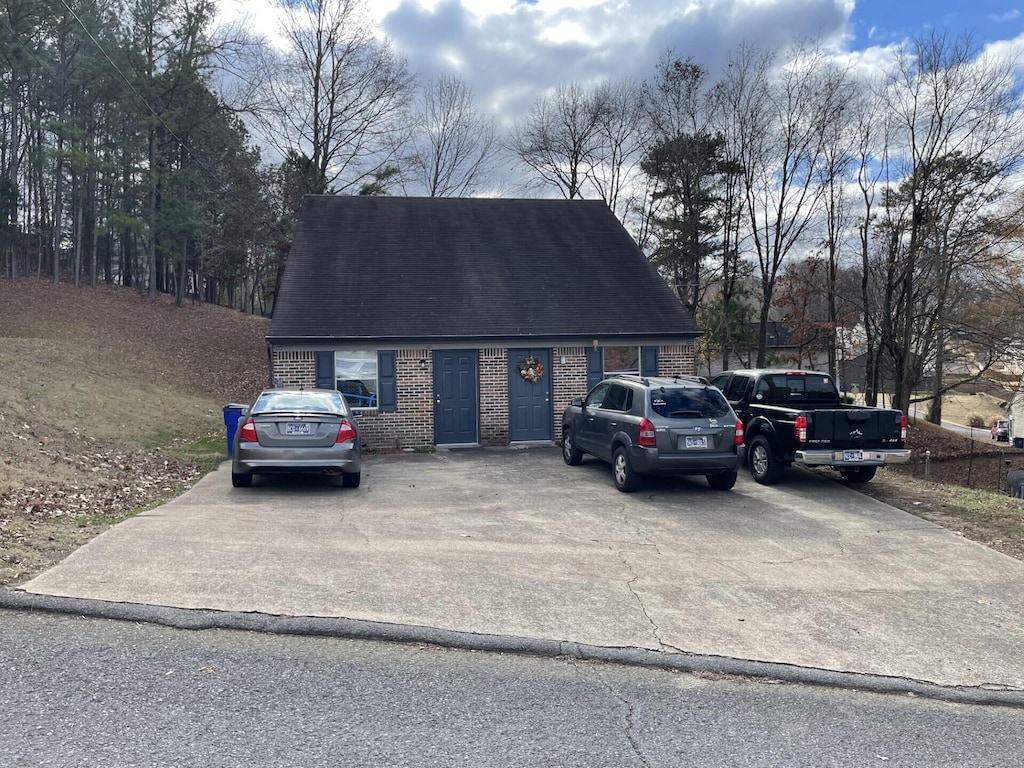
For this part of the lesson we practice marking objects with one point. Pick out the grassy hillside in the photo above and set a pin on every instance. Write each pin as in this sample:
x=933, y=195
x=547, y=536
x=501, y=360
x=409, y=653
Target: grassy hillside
x=109, y=402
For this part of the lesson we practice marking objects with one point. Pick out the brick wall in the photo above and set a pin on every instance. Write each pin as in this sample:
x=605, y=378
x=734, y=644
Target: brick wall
x=294, y=368
x=569, y=380
x=494, y=416
x=676, y=360
x=412, y=425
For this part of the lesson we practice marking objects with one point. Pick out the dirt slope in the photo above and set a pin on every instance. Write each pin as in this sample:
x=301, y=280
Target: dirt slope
x=109, y=401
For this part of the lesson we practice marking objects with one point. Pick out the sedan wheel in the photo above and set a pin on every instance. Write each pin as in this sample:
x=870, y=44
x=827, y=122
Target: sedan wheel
x=241, y=479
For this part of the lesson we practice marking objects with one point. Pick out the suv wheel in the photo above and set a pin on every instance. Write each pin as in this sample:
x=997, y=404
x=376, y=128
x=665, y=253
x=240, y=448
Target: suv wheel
x=764, y=467
x=570, y=453
x=722, y=481
x=622, y=471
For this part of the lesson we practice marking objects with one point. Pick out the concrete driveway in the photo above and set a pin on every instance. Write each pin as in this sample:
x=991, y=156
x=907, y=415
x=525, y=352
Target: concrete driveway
x=513, y=543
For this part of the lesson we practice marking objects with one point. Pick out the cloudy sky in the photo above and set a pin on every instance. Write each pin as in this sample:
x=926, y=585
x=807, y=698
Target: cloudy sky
x=511, y=51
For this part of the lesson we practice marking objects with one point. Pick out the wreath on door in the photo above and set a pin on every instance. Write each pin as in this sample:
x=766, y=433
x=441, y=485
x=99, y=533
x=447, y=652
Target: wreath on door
x=531, y=369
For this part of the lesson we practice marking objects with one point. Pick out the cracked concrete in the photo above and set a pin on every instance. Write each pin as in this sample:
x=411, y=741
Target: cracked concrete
x=513, y=543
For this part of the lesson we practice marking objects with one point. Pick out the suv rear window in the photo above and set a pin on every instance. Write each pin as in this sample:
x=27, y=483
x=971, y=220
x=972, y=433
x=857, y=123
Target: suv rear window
x=691, y=402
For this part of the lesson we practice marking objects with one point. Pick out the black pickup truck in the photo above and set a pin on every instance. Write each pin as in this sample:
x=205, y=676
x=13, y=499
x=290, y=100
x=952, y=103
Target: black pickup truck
x=797, y=417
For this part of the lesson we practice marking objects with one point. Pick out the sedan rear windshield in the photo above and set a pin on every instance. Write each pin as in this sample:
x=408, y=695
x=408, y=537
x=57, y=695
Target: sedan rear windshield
x=299, y=402
x=692, y=403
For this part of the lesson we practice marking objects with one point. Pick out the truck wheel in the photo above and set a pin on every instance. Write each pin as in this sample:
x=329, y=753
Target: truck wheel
x=764, y=467
x=858, y=474
x=570, y=453
x=722, y=481
x=622, y=471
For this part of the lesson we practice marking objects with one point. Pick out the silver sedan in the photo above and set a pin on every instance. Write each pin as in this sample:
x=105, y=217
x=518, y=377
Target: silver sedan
x=297, y=431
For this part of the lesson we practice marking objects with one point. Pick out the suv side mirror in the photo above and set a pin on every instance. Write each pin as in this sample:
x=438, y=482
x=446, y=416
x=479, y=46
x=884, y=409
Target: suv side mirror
x=577, y=402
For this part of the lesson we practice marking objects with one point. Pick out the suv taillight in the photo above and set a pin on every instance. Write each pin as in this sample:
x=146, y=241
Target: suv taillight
x=646, y=438
x=247, y=432
x=345, y=432
x=739, y=433
x=903, y=427
x=800, y=429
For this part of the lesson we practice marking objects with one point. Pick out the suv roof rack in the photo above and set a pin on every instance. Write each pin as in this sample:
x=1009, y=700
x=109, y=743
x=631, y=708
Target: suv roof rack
x=678, y=378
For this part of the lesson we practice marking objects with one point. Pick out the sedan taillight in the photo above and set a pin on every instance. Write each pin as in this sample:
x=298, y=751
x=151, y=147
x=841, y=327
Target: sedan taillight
x=346, y=432
x=645, y=436
x=247, y=432
x=739, y=433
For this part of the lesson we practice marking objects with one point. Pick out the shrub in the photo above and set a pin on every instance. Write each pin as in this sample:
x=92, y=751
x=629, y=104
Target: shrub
x=977, y=421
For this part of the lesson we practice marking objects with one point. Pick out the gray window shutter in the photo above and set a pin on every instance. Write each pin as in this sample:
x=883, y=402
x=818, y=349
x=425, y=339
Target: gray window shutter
x=595, y=367
x=648, y=361
x=325, y=370
x=387, y=390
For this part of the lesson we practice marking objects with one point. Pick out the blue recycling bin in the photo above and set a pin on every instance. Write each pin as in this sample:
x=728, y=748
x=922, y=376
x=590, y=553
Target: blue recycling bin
x=232, y=413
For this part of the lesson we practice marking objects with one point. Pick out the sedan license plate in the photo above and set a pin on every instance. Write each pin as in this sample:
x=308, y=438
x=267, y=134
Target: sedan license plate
x=695, y=442
x=853, y=455
x=298, y=428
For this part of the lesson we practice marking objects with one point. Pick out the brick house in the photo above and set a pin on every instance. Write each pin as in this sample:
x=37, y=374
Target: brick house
x=468, y=321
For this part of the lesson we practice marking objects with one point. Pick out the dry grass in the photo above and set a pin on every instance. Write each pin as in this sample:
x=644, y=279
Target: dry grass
x=109, y=403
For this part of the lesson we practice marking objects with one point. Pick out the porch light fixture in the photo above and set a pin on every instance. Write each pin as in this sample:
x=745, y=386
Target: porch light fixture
x=423, y=363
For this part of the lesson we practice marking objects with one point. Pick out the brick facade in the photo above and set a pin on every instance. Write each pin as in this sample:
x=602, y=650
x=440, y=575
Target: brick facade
x=412, y=424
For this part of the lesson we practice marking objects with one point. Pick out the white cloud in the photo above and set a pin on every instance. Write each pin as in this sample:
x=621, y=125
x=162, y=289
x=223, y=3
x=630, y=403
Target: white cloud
x=511, y=52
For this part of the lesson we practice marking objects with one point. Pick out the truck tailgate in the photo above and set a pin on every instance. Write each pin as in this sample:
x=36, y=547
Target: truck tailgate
x=854, y=428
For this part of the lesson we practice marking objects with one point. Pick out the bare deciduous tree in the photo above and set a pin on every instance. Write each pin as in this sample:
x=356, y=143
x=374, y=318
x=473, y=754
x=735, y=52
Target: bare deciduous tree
x=336, y=95
x=560, y=139
x=782, y=126
x=452, y=149
x=959, y=115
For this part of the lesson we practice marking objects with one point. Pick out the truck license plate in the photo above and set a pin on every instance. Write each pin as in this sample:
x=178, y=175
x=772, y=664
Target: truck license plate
x=853, y=455
x=696, y=442
x=297, y=429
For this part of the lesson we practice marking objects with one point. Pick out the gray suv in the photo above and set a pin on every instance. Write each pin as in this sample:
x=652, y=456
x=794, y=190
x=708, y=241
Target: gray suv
x=653, y=425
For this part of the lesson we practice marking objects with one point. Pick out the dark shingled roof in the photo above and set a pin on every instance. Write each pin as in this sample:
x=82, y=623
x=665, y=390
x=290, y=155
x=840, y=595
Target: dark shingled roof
x=468, y=268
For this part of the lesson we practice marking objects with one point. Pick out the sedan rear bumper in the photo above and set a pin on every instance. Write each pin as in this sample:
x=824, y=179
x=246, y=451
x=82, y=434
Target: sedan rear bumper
x=252, y=458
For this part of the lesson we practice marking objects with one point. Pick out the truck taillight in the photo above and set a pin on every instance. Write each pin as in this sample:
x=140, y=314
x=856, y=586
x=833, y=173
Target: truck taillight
x=247, y=432
x=346, y=432
x=800, y=429
x=645, y=438
x=903, y=427
x=739, y=433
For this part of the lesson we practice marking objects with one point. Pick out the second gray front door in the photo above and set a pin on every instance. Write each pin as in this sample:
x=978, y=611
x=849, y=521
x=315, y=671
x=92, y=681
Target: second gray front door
x=529, y=395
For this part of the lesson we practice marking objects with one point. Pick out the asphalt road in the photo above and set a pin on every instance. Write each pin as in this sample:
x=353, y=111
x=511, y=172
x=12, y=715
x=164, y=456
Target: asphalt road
x=90, y=692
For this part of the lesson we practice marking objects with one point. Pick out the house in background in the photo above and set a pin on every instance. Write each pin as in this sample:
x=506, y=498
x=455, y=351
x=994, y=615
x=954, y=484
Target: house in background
x=455, y=321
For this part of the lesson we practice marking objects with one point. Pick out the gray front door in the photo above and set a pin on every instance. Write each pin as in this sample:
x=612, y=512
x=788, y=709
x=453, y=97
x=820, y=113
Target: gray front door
x=529, y=395
x=456, y=397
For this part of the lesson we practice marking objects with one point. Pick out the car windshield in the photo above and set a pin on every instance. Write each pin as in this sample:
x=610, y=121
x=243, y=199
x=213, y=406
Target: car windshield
x=299, y=402
x=690, y=402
